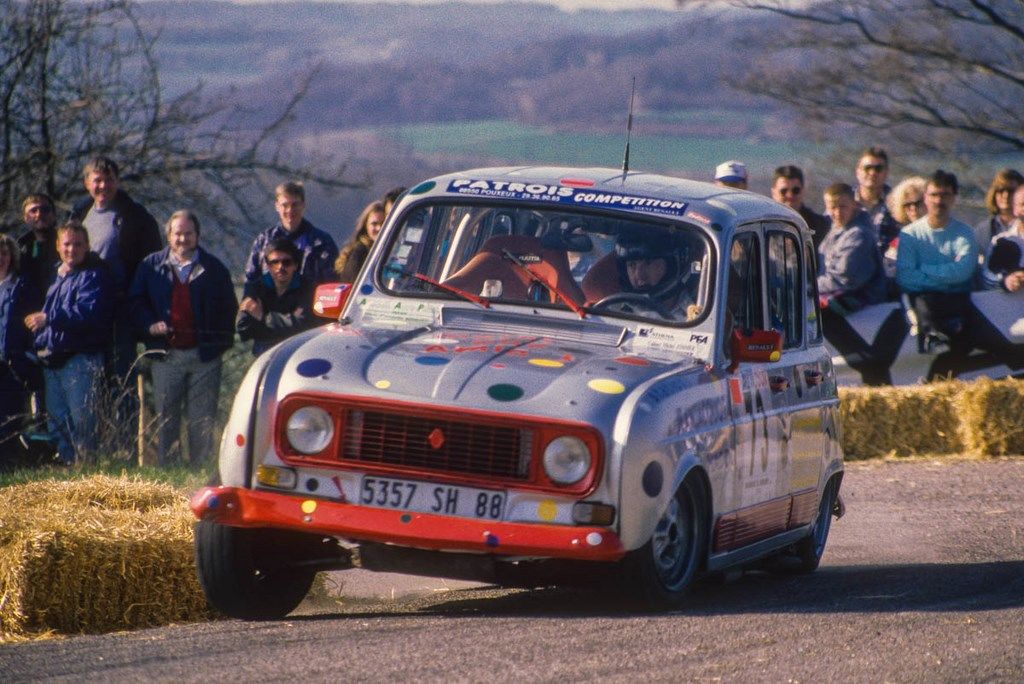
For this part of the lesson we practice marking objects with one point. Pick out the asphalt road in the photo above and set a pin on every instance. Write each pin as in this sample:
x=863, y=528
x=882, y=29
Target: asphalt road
x=923, y=580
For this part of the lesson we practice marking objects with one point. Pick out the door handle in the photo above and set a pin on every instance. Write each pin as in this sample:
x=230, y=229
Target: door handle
x=778, y=383
x=813, y=377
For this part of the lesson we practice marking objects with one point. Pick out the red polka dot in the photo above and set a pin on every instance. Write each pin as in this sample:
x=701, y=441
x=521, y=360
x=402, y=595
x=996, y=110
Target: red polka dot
x=633, y=361
x=240, y=440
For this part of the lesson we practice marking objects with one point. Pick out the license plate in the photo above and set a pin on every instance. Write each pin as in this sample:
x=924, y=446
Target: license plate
x=427, y=497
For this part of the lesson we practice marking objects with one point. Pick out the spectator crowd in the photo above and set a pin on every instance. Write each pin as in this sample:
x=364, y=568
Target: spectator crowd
x=78, y=297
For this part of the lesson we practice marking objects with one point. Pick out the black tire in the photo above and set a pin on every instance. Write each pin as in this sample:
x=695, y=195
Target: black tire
x=661, y=571
x=809, y=550
x=243, y=571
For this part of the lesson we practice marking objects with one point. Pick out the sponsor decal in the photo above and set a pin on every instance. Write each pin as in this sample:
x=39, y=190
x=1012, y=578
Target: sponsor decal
x=561, y=194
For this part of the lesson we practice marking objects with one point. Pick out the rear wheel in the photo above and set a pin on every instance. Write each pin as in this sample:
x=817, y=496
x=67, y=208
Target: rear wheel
x=661, y=571
x=809, y=550
x=245, y=572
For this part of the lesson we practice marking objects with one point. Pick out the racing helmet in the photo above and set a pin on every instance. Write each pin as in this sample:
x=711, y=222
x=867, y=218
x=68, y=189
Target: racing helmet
x=635, y=246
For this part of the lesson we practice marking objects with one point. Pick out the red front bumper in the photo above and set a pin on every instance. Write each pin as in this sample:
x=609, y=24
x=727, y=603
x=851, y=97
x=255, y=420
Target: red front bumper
x=250, y=508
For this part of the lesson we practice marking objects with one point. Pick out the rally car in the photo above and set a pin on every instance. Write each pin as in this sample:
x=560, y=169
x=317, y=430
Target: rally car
x=540, y=375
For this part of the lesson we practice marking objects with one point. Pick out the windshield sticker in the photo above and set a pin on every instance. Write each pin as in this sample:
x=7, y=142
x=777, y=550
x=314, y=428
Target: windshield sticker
x=384, y=312
x=565, y=195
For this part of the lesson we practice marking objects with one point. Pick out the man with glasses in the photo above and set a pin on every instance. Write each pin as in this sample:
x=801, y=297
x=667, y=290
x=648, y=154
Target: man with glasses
x=37, y=247
x=872, y=171
x=317, y=249
x=935, y=265
x=788, y=189
x=277, y=305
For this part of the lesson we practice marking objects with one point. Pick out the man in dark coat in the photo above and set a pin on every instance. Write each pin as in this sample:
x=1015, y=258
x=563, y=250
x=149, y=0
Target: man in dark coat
x=183, y=303
x=279, y=304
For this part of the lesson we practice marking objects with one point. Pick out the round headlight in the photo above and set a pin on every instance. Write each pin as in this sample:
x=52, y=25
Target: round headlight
x=310, y=430
x=566, y=460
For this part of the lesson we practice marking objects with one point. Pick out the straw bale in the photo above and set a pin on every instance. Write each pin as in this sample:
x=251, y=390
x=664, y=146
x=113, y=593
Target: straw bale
x=882, y=421
x=87, y=556
x=992, y=417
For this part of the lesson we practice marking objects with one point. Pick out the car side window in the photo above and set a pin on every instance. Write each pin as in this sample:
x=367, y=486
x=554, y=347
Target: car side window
x=811, y=295
x=744, y=311
x=785, y=291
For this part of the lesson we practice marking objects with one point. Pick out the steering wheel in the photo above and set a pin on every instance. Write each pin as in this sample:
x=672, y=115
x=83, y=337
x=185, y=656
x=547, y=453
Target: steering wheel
x=640, y=300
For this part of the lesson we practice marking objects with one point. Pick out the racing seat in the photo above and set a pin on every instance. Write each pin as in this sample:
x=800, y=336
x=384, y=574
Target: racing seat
x=490, y=264
x=602, y=279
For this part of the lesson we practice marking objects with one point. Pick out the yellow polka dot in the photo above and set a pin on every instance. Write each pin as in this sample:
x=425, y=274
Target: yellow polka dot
x=308, y=506
x=382, y=384
x=606, y=386
x=775, y=356
x=547, y=510
x=546, y=363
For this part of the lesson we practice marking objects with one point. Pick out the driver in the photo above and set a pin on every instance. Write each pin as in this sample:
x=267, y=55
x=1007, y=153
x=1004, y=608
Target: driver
x=651, y=266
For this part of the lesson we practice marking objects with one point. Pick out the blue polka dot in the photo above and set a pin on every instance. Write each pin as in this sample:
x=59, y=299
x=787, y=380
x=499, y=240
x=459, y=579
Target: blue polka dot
x=431, y=360
x=653, y=479
x=366, y=289
x=491, y=540
x=310, y=368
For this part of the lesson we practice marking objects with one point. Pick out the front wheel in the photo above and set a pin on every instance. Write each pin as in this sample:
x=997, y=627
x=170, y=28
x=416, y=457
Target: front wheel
x=244, y=572
x=661, y=571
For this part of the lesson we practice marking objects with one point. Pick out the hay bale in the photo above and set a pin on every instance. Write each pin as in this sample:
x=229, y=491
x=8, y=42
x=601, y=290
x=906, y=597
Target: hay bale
x=905, y=421
x=992, y=417
x=95, y=555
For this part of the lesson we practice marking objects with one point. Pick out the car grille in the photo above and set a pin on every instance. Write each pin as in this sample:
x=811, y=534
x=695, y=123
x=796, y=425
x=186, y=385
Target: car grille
x=436, y=444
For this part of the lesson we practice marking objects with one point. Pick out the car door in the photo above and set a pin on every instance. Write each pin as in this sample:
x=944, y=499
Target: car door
x=795, y=421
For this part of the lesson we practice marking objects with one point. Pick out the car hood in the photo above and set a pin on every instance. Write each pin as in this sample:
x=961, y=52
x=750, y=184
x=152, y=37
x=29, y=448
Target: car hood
x=526, y=373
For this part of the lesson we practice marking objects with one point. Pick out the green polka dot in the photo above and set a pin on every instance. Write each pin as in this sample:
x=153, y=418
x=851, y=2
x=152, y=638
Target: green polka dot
x=422, y=188
x=504, y=392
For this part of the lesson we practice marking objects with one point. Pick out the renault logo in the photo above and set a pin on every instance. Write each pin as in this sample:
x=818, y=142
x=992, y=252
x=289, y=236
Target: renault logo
x=435, y=439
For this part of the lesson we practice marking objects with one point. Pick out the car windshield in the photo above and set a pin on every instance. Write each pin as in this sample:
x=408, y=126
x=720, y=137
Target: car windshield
x=587, y=263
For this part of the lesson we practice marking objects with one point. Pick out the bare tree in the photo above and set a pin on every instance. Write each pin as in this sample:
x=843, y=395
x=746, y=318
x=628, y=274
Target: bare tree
x=80, y=78
x=939, y=75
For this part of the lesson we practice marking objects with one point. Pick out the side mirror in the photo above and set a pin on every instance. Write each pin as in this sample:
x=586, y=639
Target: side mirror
x=330, y=299
x=760, y=346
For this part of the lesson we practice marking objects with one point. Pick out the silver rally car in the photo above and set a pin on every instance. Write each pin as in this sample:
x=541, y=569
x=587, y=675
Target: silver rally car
x=541, y=375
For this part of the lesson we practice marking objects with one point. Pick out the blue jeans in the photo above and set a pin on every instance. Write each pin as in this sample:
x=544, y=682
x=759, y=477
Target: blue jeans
x=71, y=393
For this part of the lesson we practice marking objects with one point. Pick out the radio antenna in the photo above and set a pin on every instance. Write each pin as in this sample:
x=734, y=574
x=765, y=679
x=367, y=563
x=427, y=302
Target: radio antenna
x=629, y=131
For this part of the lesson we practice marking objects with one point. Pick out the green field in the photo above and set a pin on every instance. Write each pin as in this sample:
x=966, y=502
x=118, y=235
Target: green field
x=514, y=143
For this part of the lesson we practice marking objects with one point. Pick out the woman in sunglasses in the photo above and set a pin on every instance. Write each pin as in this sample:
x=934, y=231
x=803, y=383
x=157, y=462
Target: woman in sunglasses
x=998, y=201
x=278, y=305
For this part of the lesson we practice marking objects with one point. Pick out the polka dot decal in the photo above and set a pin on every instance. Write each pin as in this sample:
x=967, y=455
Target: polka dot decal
x=504, y=392
x=366, y=289
x=606, y=386
x=422, y=188
x=311, y=368
x=547, y=510
x=308, y=506
x=633, y=361
x=546, y=363
x=382, y=384
x=240, y=440
x=431, y=360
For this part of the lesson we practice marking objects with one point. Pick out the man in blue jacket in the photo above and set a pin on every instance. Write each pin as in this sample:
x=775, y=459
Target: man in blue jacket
x=183, y=303
x=71, y=333
x=317, y=249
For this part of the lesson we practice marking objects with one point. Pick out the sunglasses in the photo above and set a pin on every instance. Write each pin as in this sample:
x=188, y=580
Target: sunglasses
x=913, y=203
x=280, y=262
x=878, y=168
x=791, y=191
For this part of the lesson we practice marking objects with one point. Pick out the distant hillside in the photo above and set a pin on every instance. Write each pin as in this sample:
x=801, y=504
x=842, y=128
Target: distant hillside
x=397, y=64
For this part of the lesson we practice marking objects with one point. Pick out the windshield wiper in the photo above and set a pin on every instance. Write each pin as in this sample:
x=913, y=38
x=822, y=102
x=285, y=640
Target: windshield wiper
x=468, y=296
x=537, y=278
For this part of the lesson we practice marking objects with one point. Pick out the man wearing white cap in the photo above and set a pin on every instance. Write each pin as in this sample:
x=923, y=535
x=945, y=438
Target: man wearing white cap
x=731, y=174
